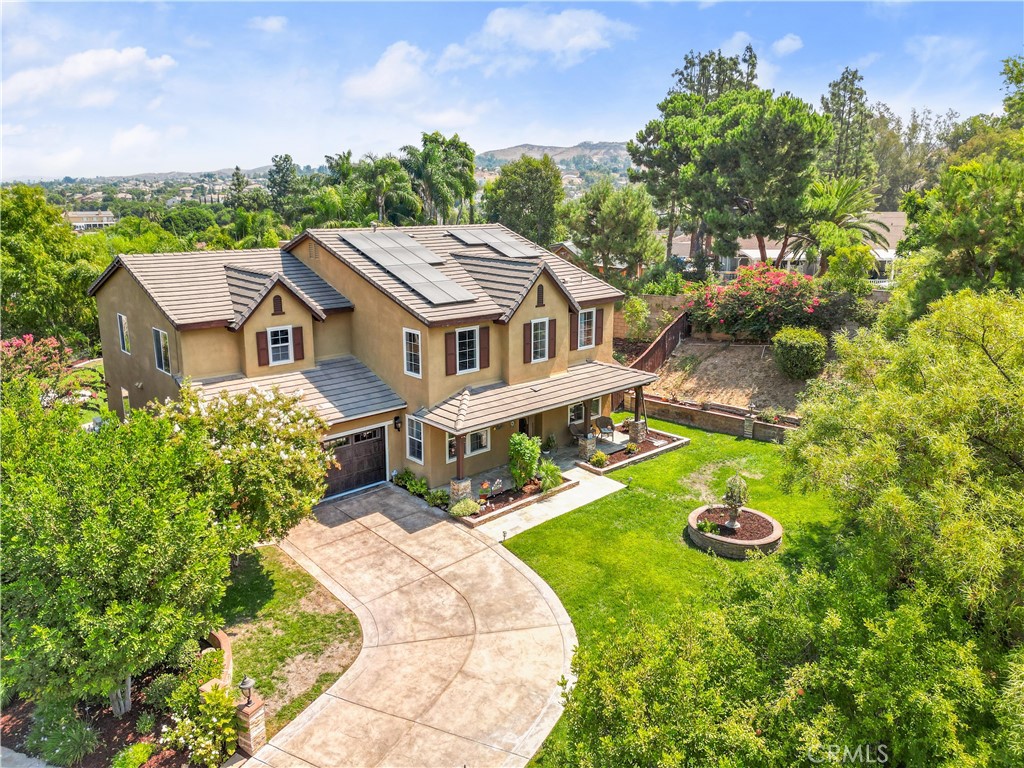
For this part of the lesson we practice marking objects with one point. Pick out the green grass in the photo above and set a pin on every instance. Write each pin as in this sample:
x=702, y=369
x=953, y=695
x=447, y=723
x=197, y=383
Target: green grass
x=265, y=603
x=627, y=553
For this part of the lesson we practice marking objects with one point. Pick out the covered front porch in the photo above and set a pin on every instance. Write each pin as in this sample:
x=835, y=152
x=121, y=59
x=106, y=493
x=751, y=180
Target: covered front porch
x=551, y=409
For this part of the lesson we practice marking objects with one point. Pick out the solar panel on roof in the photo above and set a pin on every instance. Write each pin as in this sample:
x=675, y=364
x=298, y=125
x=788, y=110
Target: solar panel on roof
x=406, y=260
x=503, y=242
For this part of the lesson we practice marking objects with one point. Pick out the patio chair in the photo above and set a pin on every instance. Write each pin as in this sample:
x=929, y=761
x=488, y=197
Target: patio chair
x=606, y=428
x=576, y=430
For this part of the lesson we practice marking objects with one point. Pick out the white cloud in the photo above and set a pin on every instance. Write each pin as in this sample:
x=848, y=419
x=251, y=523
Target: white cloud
x=99, y=97
x=8, y=129
x=734, y=45
x=952, y=54
x=398, y=73
x=155, y=103
x=194, y=41
x=80, y=68
x=142, y=140
x=787, y=44
x=269, y=24
x=514, y=38
x=867, y=60
x=703, y=6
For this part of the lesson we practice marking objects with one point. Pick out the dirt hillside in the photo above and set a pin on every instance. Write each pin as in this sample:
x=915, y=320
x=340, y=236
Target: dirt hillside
x=721, y=372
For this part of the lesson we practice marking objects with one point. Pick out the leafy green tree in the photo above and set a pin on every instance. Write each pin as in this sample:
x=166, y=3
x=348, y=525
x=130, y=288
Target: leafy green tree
x=104, y=575
x=615, y=228
x=909, y=154
x=46, y=271
x=712, y=74
x=338, y=206
x=339, y=167
x=387, y=185
x=188, y=219
x=237, y=185
x=525, y=198
x=846, y=106
x=282, y=179
x=1013, y=84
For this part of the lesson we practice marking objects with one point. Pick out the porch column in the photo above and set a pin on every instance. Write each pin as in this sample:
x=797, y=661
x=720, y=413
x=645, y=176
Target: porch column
x=638, y=396
x=588, y=443
x=460, y=486
x=586, y=416
x=638, y=429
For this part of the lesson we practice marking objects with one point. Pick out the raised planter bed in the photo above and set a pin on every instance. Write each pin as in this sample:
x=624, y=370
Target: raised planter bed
x=757, y=531
x=516, y=500
x=648, y=450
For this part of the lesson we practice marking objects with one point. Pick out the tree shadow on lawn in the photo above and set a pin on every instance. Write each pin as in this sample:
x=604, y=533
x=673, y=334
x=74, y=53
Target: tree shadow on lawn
x=250, y=587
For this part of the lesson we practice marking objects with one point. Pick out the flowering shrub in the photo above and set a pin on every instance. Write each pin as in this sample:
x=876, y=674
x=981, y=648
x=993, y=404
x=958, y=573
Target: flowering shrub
x=265, y=464
x=758, y=303
x=207, y=731
x=46, y=360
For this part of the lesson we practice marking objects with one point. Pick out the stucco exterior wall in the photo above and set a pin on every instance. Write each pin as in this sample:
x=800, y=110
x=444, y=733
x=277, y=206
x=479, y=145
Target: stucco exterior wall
x=210, y=352
x=440, y=386
x=296, y=314
x=602, y=351
x=137, y=373
x=555, y=307
x=333, y=337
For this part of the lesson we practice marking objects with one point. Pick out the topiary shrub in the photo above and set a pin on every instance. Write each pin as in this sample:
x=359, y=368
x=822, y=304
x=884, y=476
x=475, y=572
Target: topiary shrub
x=599, y=459
x=134, y=756
x=464, y=508
x=523, y=455
x=799, y=352
x=550, y=476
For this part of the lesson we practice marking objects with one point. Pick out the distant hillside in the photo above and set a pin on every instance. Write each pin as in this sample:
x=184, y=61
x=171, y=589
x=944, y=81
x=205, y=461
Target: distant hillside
x=598, y=153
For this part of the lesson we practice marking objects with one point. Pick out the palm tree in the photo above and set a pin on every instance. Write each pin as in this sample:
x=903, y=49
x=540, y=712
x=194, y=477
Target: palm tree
x=341, y=205
x=846, y=203
x=387, y=185
x=441, y=172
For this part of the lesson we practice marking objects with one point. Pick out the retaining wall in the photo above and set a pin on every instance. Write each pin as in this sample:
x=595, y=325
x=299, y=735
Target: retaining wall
x=712, y=421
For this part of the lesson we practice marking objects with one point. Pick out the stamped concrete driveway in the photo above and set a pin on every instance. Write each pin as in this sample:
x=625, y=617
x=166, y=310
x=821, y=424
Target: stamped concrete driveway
x=463, y=645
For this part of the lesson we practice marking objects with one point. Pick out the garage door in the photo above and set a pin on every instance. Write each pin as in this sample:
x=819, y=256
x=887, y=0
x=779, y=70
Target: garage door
x=362, y=461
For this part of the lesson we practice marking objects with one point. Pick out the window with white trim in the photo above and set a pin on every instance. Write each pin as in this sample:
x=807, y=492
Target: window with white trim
x=414, y=439
x=122, y=334
x=467, y=349
x=476, y=442
x=279, y=340
x=576, y=410
x=588, y=318
x=162, y=351
x=412, y=353
x=540, y=340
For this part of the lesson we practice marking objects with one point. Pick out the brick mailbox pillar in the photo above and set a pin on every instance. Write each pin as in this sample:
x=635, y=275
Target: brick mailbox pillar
x=252, y=726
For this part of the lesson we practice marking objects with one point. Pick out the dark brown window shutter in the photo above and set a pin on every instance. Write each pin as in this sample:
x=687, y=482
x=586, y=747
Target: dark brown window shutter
x=599, y=326
x=298, y=351
x=551, y=339
x=485, y=347
x=574, y=331
x=449, y=354
x=527, y=342
x=262, y=354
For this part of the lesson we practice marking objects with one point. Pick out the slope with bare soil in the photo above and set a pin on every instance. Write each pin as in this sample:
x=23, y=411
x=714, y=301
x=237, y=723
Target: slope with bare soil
x=723, y=372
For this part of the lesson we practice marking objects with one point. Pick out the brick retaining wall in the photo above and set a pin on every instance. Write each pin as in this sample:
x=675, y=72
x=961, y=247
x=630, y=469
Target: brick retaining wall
x=712, y=421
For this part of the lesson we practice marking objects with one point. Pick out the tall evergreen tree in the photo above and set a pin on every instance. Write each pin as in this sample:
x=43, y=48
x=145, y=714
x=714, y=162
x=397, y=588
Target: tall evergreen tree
x=282, y=180
x=850, y=154
x=525, y=197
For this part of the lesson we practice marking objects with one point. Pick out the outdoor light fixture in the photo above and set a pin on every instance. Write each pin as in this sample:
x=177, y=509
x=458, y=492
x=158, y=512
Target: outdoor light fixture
x=246, y=687
x=398, y=423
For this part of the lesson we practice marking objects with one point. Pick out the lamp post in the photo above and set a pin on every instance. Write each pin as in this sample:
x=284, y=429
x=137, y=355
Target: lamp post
x=246, y=687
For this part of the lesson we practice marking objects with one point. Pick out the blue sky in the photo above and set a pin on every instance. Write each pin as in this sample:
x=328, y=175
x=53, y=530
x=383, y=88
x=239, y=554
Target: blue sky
x=103, y=89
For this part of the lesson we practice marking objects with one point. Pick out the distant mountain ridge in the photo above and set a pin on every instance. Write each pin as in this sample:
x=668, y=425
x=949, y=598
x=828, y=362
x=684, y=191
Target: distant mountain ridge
x=601, y=152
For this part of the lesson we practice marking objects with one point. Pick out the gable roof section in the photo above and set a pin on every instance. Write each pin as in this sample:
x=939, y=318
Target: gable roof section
x=248, y=287
x=494, y=279
x=193, y=290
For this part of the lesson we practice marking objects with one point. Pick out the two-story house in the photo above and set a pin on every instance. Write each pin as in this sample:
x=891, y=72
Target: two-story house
x=422, y=347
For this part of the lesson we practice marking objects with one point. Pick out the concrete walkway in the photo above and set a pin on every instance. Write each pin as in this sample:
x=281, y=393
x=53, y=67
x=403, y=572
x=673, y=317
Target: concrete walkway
x=463, y=644
x=11, y=759
x=591, y=488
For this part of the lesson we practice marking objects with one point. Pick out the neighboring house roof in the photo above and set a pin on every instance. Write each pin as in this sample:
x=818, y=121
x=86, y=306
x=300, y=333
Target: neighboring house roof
x=197, y=289
x=479, y=407
x=570, y=246
x=338, y=390
x=492, y=295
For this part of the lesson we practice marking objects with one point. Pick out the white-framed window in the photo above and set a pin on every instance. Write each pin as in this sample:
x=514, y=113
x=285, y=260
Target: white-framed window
x=414, y=439
x=122, y=334
x=588, y=318
x=412, y=352
x=279, y=342
x=467, y=350
x=162, y=351
x=576, y=410
x=476, y=442
x=540, y=340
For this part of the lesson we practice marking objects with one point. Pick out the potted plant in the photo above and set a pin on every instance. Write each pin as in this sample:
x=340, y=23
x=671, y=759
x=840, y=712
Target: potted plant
x=485, y=490
x=736, y=496
x=549, y=444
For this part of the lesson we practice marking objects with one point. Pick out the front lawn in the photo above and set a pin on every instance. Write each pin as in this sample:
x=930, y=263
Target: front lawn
x=287, y=632
x=628, y=552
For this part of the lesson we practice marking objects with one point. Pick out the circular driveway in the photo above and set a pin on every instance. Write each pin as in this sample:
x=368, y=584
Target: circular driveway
x=463, y=644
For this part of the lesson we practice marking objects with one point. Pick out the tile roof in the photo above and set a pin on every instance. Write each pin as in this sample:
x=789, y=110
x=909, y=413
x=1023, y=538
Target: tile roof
x=479, y=407
x=215, y=287
x=339, y=390
x=508, y=281
x=494, y=292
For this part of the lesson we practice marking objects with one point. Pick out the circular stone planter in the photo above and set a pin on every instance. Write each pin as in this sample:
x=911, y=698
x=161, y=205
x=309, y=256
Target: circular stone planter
x=729, y=546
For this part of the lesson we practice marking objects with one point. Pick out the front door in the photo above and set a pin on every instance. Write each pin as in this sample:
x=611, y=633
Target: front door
x=361, y=458
x=526, y=425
